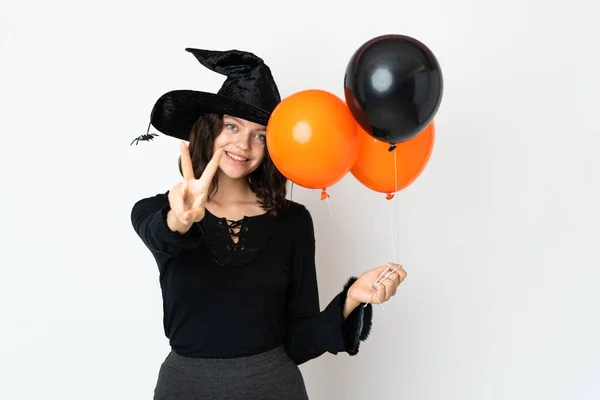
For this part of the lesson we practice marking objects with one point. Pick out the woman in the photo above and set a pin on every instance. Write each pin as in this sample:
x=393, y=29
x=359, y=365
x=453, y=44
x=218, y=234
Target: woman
x=235, y=257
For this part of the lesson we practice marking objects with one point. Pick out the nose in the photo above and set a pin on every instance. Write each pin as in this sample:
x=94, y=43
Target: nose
x=242, y=141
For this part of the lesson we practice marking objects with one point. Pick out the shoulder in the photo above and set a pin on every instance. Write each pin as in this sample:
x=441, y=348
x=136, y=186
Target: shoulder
x=151, y=203
x=298, y=218
x=295, y=211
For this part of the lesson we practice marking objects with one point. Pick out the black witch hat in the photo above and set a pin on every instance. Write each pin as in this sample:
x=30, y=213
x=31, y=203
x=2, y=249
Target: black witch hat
x=249, y=92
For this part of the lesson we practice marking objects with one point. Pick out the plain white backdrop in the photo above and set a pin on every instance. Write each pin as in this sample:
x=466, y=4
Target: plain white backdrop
x=499, y=235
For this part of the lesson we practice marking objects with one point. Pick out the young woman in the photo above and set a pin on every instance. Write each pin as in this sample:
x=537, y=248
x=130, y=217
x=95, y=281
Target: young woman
x=236, y=259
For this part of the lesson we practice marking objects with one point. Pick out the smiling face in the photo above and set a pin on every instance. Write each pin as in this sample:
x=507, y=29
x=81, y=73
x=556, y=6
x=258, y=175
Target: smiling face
x=244, y=143
x=242, y=138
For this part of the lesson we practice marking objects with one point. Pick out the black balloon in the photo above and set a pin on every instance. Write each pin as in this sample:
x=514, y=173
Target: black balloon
x=393, y=86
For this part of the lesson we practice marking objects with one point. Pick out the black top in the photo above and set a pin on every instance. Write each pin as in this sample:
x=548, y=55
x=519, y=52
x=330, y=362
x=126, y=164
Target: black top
x=225, y=299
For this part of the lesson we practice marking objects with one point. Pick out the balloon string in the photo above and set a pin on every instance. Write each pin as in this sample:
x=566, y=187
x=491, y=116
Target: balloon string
x=393, y=235
x=330, y=209
x=324, y=194
x=395, y=207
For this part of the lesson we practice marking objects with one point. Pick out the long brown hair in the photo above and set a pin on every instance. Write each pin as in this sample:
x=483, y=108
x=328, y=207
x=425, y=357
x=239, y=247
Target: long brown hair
x=266, y=181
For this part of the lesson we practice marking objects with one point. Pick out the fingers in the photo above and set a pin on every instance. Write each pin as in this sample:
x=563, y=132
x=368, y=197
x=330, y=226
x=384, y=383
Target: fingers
x=195, y=214
x=395, y=278
x=198, y=191
x=381, y=293
x=390, y=288
x=387, y=267
x=200, y=200
x=186, y=162
x=210, y=170
x=176, y=200
x=401, y=274
x=389, y=280
x=382, y=271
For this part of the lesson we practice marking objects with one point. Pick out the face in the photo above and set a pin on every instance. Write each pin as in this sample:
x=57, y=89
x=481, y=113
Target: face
x=244, y=144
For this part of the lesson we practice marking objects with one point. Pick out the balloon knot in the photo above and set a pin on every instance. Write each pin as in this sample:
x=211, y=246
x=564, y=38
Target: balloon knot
x=389, y=196
x=392, y=147
x=324, y=194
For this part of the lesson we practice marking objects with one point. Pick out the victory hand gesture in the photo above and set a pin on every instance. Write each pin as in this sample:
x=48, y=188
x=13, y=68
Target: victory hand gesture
x=188, y=198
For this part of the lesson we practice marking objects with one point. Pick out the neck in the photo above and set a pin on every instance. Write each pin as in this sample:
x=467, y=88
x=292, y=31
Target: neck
x=233, y=191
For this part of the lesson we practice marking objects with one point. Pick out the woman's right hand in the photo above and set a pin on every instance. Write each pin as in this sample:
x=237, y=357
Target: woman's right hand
x=188, y=199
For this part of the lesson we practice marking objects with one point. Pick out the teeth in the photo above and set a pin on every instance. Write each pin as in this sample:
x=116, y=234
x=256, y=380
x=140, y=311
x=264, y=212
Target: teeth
x=236, y=157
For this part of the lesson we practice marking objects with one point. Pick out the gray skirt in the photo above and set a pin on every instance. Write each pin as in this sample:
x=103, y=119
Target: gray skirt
x=269, y=375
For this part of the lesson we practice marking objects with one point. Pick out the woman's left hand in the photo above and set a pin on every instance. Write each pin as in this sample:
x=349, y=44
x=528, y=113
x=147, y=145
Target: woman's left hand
x=362, y=289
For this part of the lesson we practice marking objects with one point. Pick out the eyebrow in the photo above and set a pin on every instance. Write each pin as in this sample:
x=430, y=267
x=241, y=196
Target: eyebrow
x=239, y=121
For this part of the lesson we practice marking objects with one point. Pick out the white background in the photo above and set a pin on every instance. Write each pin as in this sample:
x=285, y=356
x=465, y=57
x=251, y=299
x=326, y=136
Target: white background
x=499, y=235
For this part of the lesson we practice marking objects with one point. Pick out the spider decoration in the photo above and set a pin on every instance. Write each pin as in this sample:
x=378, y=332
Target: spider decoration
x=147, y=137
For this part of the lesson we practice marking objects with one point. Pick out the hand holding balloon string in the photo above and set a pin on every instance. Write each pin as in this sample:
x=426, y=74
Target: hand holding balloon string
x=378, y=282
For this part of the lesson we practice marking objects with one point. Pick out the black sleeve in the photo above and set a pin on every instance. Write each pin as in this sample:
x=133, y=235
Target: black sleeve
x=149, y=219
x=312, y=332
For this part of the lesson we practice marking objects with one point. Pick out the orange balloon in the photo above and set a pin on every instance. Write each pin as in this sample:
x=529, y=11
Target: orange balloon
x=312, y=139
x=374, y=166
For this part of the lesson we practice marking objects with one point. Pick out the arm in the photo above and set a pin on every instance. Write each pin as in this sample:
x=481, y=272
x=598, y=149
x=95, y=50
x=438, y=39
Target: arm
x=310, y=331
x=149, y=218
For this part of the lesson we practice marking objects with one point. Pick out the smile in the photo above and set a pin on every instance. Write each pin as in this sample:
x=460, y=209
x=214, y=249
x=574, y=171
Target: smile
x=235, y=157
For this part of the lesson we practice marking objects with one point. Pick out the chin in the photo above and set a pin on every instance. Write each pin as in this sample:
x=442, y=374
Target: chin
x=235, y=176
x=236, y=173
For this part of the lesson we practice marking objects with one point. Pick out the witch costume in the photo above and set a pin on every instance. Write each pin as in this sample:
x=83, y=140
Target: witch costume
x=240, y=315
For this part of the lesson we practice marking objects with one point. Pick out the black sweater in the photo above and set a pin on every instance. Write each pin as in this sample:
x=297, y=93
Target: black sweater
x=225, y=299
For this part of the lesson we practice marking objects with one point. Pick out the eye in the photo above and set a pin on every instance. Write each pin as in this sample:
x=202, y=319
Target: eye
x=261, y=137
x=231, y=127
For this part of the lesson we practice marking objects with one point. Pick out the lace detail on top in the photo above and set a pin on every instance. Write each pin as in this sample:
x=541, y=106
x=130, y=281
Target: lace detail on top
x=237, y=243
x=235, y=229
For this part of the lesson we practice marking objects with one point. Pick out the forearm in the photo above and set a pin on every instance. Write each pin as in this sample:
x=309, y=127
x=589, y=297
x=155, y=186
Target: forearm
x=339, y=327
x=150, y=219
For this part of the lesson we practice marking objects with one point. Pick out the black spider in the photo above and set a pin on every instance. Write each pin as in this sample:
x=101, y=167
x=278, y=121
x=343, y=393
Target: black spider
x=147, y=136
